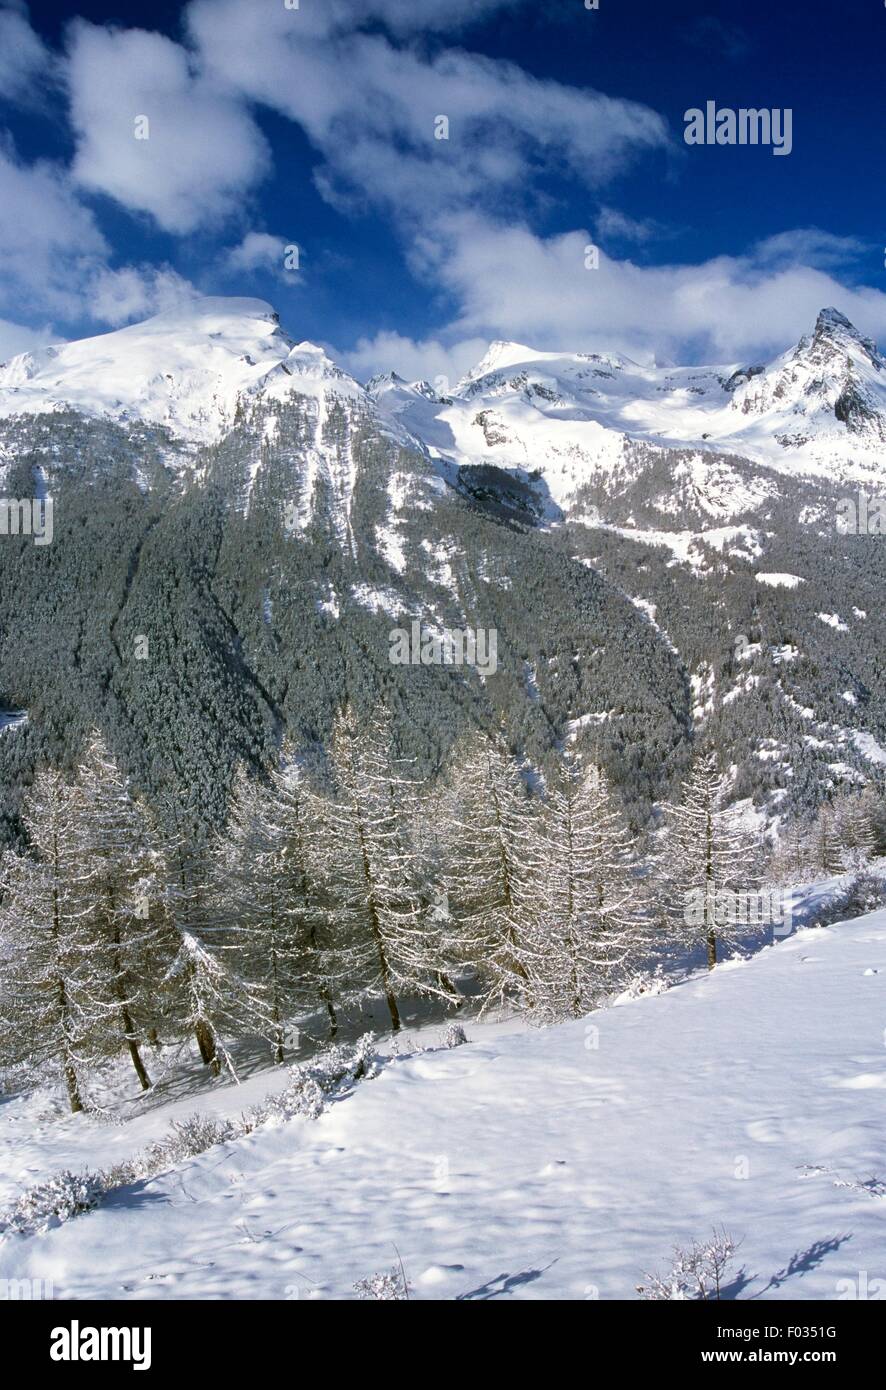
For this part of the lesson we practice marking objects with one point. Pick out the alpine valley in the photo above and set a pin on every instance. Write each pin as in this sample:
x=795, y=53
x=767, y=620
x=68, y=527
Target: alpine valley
x=239, y=524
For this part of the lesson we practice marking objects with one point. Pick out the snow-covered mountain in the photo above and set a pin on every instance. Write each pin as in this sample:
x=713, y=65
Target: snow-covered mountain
x=818, y=409
x=187, y=369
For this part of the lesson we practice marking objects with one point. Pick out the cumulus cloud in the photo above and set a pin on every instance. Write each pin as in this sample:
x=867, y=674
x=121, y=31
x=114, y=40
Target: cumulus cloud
x=50, y=244
x=202, y=149
x=55, y=262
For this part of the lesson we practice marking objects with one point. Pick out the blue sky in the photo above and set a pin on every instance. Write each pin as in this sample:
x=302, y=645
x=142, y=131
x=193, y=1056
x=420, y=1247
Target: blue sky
x=270, y=127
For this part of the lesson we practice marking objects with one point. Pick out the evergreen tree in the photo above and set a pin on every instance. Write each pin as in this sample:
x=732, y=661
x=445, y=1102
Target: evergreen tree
x=113, y=856
x=592, y=923
x=710, y=858
x=48, y=1010
x=493, y=882
x=369, y=868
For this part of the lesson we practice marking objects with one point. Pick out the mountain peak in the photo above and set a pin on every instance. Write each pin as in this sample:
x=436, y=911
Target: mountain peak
x=186, y=368
x=500, y=355
x=835, y=329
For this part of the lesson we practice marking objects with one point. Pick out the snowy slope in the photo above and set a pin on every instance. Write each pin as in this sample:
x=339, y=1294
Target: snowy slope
x=553, y=1164
x=186, y=369
x=818, y=409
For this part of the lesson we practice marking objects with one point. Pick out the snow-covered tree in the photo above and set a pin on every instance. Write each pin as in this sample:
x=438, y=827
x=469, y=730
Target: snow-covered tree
x=493, y=871
x=793, y=858
x=592, y=924
x=113, y=866
x=854, y=830
x=48, y=1011
x=260, y=900
x=298, y=816
x=211, y=1001
x=829, y=855
x=368, y=870
x=710, y=859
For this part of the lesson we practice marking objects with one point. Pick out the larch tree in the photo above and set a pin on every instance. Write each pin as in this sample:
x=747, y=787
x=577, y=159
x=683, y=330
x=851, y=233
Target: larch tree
x=493, y=871
x=48, y=1009
x=711, y=858
x=370, y=870
x=114, y=856
x=592, y=922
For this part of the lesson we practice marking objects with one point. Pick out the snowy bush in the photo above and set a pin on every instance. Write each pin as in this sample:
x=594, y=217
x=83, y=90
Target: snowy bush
x=455, y=1036
x=187, y=1139
x=864, y=894
x=642, y=984
x=49, y=1203
x=303, y=1096
x=388, y=1286
x=194, y=1136
x=696, y=1273
x=310, y=1083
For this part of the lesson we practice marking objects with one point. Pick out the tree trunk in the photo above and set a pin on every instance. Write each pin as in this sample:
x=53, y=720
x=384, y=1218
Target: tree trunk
x=330, y=1010
x=278, y=1029
x=712, y=950
x=448, y=987
x=375, y=928
x=206, y=1043
x=134, y=1053
x=73, y=1089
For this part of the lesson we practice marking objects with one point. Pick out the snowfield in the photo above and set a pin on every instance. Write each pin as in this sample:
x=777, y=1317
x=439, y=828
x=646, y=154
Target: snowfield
x=553, y=1164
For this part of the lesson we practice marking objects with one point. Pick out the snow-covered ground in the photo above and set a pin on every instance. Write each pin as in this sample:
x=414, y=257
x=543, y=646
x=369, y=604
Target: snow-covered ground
x=561, y=1163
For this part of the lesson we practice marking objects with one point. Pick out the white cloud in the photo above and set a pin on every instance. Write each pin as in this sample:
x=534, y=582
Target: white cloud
x=615, y=225
x=808, y=246
x=54, y=261
x=370, y=108
x=204, y=151
x=425, y=360
x=513, y=284
x=258, y=251
x=50, y=244
x=136, y=292
x=16, y=338
x=24, y=60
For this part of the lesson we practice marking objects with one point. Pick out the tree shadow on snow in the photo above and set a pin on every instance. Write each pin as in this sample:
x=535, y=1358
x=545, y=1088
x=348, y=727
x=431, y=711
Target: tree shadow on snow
x=133, y=1195
x=802, y=1261
x=503, y=1284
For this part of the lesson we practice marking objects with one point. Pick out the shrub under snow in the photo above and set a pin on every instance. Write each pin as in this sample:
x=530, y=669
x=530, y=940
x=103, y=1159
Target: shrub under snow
x=697, y=1272
x=455, y=1036
x=388, y=1286
x=49, y=1203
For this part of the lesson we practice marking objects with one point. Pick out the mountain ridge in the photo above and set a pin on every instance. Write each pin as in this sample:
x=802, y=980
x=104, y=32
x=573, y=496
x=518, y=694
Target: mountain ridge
x=816, y=409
